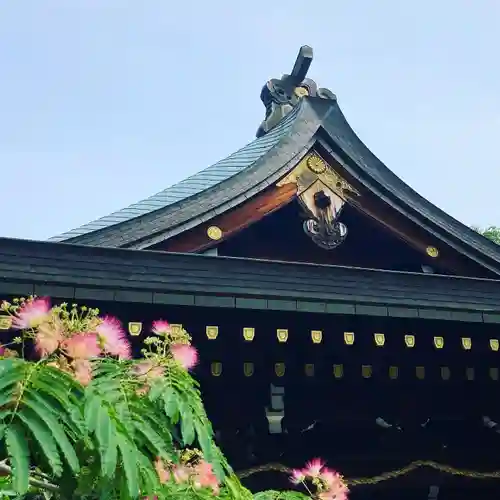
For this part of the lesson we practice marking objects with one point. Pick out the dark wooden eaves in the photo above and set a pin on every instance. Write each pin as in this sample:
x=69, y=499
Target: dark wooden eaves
x=84, y=273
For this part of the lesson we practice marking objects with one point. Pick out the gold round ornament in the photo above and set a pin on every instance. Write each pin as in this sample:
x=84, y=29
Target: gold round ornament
x=316, y=164
x=301, y=91
x=432, y=252
x=214, y=233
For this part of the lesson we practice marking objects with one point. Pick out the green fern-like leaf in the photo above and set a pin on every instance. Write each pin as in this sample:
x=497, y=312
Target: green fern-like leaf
x=154, y=441
x=105, y=432
x=43, y=435
x=187, y=424
x=36, y=402
x=129, y=458
x=17, y=449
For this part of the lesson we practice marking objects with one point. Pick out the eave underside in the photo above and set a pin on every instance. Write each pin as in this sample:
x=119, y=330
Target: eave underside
x=86, y=273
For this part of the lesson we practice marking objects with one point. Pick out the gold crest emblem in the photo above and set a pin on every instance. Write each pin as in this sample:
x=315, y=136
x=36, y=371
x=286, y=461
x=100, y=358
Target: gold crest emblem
x=379, y=339
x=393, y=372
x=176, y=329
x=248, y=369
x=309, y=370
x=301, y=92
x=445, y=373
x=338, y=371
x=135, y=328
x=216, y=368
x=466, y=343
x=438, y=342
x=349, y=338
x=410, y=340
x=279, y=369
x=248, y=334
x=316, y=336
x=366, y=371
x=316, y=164
x=282, y=334
x=212, y=332
x=494, y=344
x=5, y=322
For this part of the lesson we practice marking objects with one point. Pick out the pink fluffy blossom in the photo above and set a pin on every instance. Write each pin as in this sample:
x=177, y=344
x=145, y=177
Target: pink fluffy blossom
x=113, y=338
x=83, y=371
x=82, y=346
x=47, y=338
x=148, y=370
x=161, y=470
x=185, y=354
x=336, y=488
x=204, y=477
x=31, y=314
x=297, y=476
x=180, y=473
x=313, y=468
x=161, y=327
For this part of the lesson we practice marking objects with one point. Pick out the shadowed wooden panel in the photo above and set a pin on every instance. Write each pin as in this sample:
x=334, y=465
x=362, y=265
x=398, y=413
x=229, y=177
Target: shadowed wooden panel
x=231, y=222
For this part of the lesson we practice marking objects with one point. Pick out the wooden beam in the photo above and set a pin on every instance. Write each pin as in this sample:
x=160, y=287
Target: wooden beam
x=233, y=221
x=417, y=237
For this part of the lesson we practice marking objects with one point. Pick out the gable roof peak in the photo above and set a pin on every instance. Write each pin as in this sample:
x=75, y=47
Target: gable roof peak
x=281, y=95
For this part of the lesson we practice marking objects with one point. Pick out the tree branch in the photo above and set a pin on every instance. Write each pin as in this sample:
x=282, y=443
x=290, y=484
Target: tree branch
x=33, y=482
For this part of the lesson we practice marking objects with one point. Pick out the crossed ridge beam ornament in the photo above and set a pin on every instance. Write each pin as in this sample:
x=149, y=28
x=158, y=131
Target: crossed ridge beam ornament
x=280, y=96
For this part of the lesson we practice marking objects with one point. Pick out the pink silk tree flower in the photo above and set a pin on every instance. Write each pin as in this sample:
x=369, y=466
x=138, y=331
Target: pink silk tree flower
x=184, y=354
x=113, y=338
x=82, y=346
x=148, y=370
x=83, y=371
x=162, y=471
x=297, y=476
x=205, y=478
x=313, y=468
x=161, y=327
x=48, y=338
x=31, y=314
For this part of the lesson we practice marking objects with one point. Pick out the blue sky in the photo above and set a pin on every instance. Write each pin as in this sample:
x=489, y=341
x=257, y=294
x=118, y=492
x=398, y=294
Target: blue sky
x=105, y=102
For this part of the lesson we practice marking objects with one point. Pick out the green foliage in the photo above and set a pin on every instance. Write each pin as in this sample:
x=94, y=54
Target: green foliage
x=491, y=232
x=280, y=495
x=86, y=422
x=107, y=429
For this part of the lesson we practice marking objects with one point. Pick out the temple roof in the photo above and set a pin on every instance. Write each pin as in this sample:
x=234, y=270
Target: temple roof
x=187, y=188
x=293, y=125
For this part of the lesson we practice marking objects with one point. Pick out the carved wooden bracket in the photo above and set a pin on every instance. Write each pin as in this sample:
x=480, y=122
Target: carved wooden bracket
x=322, y=193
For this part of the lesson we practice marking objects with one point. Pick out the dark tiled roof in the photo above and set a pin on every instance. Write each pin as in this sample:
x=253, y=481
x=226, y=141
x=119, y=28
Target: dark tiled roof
x=263, y=162
x=197, y=183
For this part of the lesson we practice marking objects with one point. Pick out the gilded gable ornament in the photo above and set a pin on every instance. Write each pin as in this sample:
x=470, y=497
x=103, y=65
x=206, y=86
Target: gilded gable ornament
x=322, y=193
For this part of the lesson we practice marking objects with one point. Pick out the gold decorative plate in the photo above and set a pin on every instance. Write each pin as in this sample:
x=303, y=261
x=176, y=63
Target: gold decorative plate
x=432, y=252
x=214, y=233
x=316, y=164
